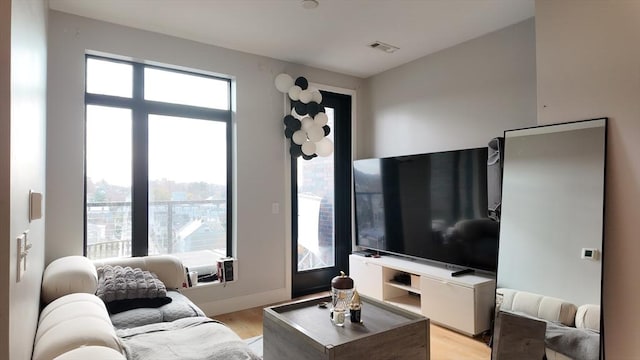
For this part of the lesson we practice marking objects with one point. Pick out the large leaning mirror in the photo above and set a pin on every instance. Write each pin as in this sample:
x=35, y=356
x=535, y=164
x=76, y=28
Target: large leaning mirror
x=549, y=278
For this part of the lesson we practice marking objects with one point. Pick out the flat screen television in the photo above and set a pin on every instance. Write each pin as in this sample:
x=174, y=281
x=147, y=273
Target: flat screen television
x=427, y=206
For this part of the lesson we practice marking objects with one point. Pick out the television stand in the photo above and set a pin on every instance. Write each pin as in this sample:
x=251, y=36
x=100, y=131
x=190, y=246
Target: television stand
x=462, y=272
x=462, y=303
x=367, y=253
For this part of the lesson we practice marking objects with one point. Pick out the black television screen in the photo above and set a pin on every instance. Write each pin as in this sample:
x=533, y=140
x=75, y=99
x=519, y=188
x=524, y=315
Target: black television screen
x=428, y=206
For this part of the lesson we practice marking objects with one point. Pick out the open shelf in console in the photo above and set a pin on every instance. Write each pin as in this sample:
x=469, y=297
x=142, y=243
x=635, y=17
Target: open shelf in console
x=402, y=286
x=398, y=290
x=407, y=302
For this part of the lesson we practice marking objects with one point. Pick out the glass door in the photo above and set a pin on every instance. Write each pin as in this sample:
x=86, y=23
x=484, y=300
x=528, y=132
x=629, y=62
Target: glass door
x=321, y=205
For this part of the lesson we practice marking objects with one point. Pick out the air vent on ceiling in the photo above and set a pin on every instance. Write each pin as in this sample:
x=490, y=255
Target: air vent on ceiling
x=383, y=47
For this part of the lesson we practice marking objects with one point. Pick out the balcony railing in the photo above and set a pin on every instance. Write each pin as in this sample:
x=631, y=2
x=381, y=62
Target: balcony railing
x=107, y=249
x=174, y=227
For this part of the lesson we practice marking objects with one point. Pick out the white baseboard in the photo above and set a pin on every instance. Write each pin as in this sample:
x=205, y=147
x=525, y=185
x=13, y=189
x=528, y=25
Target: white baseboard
x=245, y=302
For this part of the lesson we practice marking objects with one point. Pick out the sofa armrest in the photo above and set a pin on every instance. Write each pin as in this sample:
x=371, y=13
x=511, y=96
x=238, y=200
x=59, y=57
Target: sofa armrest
x=68, y=275
x=71, y=322
x=93, y=353
x=588, y=317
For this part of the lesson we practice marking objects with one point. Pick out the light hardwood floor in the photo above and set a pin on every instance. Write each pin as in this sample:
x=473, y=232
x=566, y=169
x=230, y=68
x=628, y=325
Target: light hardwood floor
x=445, y=344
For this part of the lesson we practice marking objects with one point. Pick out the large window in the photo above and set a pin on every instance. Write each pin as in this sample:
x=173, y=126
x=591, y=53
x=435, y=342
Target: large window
x=158, y=160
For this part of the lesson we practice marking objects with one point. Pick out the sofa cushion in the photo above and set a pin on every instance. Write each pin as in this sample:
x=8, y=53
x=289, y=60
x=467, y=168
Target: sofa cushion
x=61, y=312
x=540, y=306
x=71, y=298
x=93, y=353
x=120, y=283
x=588, y=317
x=68, y=275
x=118, y=306
x=180, y=307
x=71, y=323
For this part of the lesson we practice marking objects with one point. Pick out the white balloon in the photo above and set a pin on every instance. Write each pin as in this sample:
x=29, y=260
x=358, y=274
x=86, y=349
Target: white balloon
x=284, y=82
x=307, y=123
x=294, y=92
x=308, y=148
x=305, y=96
x=315, y=133
x=324, y=147
x=316, y=96
x=299, y=137
x=321, y=119
x=296, y=115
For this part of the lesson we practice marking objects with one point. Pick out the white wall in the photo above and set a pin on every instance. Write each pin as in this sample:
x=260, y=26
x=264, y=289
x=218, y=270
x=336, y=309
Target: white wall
x=22, y=159
x=261, y=156
x=588, y=62
x=457, y=98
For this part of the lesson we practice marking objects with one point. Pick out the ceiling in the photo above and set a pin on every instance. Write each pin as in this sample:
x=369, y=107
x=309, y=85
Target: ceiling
x=334, y=36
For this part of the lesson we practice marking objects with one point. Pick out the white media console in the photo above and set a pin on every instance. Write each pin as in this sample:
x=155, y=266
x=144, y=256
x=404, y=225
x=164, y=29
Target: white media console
x=463, y=303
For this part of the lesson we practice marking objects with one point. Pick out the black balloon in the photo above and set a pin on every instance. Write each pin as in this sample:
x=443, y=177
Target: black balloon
x=308, y=157
x=312, y=108
x=288, y=133
x=288, y=120
x=302, y=82
x=295, y=150
x=301, y=109
x=326, y=129
x=321, y=108
x=295, y=125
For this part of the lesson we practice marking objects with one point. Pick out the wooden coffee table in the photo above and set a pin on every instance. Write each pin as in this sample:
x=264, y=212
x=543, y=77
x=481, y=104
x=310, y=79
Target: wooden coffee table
x=302, y=330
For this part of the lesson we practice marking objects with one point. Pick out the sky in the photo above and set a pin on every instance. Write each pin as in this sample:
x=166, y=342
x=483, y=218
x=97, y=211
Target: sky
x=180, y=149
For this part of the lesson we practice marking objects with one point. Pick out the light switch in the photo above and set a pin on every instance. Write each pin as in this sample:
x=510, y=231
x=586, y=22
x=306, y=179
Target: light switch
x=21, y=239
x=23, y=250
x=35, y=205
x=275, y=208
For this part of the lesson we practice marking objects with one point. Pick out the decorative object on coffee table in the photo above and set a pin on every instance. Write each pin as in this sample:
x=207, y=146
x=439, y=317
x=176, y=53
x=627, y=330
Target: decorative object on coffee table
x=341, y=294
x=355, y=308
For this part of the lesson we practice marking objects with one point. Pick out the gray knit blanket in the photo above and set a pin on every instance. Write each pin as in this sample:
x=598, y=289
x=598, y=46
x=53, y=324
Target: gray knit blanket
x=120, y=283
x=583, y=344
x=194, y=338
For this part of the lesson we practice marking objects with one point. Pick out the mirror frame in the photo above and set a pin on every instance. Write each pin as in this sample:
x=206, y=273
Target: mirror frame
x=603, y=223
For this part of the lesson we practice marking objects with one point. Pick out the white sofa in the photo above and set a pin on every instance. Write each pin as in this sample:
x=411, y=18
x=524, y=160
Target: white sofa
x=75, y=323
x=563, y=319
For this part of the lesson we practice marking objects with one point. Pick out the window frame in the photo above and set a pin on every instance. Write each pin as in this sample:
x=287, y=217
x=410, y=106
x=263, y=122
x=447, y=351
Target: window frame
x=319, y=279
x=140, y=111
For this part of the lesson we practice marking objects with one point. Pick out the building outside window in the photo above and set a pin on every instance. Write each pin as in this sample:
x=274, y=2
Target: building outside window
x=157, y=162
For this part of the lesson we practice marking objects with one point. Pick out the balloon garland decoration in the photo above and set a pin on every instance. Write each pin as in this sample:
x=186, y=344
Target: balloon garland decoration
x=306, y=125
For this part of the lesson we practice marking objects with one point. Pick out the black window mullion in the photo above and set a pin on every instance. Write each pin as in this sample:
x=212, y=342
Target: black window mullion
x=140, y=166
x=192, y=112
x=229, y=205
x=108, y=100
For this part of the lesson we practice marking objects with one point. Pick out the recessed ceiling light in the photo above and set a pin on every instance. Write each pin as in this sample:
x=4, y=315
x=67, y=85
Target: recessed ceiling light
x=310, y=4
